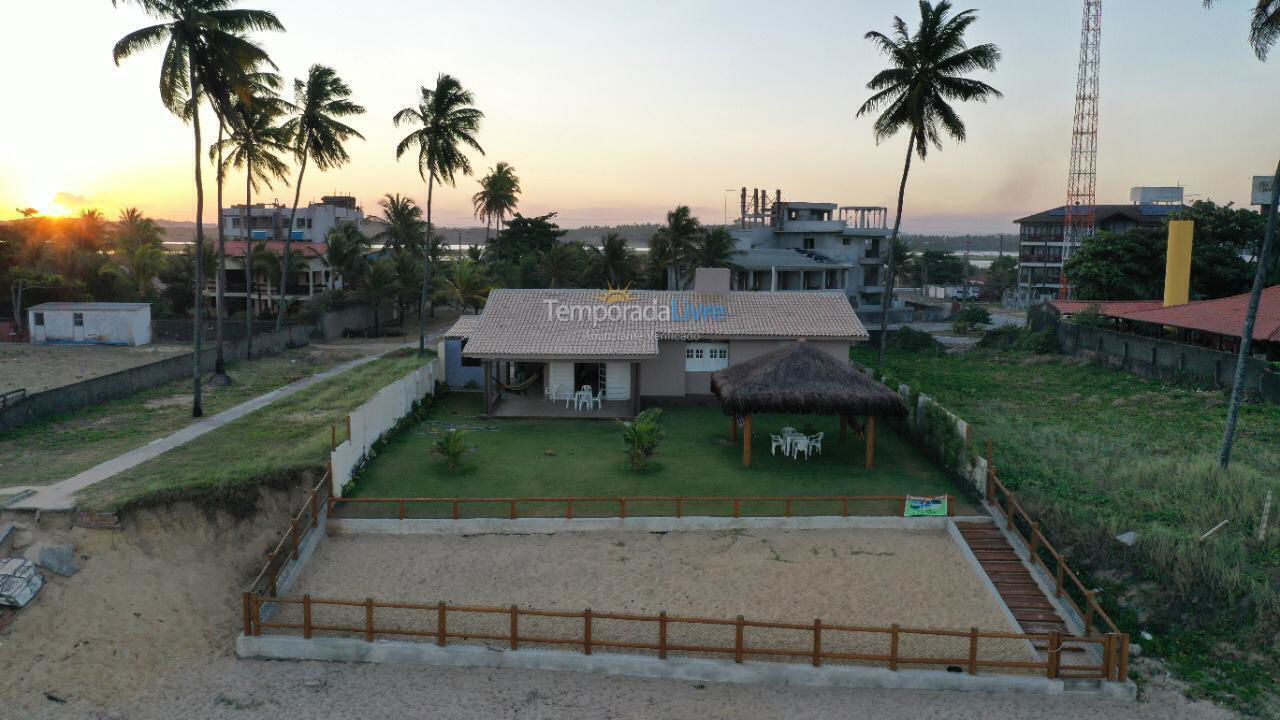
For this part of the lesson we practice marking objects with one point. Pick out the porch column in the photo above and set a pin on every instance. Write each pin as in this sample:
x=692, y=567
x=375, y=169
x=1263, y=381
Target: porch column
x=871, y=442
x=635, y=388
x=746, y=441
x=486, y=367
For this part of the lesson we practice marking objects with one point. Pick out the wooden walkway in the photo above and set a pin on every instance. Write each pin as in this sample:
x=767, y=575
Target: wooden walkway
x=1012, y=579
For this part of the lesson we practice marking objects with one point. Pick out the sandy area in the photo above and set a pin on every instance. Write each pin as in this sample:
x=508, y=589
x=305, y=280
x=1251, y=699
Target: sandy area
x=40, y=367
x=115, y=642
x=845, y=577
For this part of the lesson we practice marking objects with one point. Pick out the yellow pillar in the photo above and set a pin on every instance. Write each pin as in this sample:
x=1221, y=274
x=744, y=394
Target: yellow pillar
x=1177, y=266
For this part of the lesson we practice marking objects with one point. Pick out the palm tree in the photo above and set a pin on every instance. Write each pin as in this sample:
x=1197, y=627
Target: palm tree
x=1264, y=31
x=674, y=245
x=199, y=35
x=613, y=264
x=497, y=196
x=261, y=261
x=405, y=229
x=345, y=255
x=137, y=249
x=465, y=285
x=926, y=73
x=715, y=249
x=318, y=135
x=379, y=286
x=561, y=266
x=444, y=123
x=408, y=280
x=255, y=143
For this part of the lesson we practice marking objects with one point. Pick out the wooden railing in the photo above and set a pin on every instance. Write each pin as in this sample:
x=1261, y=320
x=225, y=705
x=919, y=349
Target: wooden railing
x=1067, y=584
x=815, y=642
x=307, y=518
x=621, y=507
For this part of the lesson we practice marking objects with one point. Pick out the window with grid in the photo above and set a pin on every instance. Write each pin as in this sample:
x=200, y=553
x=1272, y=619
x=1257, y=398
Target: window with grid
x=77, y=319
x=706, y=357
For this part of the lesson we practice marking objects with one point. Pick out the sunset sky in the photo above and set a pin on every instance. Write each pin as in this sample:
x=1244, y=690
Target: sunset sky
x=614, y=112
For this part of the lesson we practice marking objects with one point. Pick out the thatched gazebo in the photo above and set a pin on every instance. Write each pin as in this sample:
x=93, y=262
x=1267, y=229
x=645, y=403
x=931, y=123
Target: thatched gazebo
x=802, y=379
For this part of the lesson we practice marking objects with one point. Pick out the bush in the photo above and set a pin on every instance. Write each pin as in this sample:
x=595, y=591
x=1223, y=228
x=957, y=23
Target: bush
x=1010, y=337
x=451, y=445
x=1091, y=317
x=642, y=437
x=971, y=317
x=915, y=341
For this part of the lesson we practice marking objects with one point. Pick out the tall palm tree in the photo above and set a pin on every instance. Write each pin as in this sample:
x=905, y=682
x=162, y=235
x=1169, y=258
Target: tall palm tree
x=405, y=229
x=497, y=196
x=345, y=254
x=318, y=135
x=674, y=245
x=715, y=249
x=926, y=73
x=444, y=124
x=198, y=35
x=1264, y=31
x=612, y=264
x=379, y=286
x=465, y=285
x=255, y=144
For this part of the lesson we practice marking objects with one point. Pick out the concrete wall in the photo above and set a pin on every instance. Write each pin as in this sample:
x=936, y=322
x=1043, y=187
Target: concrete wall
x=458, y=375
x=355, y=318
x=70, y=398
x=1160, y=358
x=180, y=330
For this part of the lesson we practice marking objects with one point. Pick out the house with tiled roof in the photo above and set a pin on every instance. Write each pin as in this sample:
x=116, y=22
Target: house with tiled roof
x=534, y=347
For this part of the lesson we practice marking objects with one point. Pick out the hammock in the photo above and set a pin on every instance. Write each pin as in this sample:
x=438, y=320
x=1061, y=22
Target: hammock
x=520, y=387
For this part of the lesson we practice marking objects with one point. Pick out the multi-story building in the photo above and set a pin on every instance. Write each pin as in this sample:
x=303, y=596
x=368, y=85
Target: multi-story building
x=269, y=222
x=1042, y=244
x=797, y=246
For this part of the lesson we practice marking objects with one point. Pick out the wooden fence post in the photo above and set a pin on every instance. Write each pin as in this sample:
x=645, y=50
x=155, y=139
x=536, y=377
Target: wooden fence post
x=515, y=628
x=679, y=507
x=315, y=508
x=586, y=631
x=893, y=647
x=513, y=509
x=1055, y=653
x=786, y=508
x=368, y=619
x=456, y=510
x=622, y=508
x=738, y=641
x=306, y=616
x=662, y=635
x=248, y=616
x=973, y=651
x=1122, y=665
x=737, y=510
x=401, y=504
x=255, y=612
x=1108, y=656
x=817, y=642
x=844, y=507
x=568, y=509
x=440, y=624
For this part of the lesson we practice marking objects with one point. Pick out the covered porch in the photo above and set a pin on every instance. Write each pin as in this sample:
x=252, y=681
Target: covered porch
x=561, y=388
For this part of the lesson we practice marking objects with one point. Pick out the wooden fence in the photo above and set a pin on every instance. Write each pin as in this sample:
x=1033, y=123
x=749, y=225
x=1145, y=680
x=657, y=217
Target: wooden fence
x=621, y=507
x=306, y=519
x=1067, y=585
x=662, y=635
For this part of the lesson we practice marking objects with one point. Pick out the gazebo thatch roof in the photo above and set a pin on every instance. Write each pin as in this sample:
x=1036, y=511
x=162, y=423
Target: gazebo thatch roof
x=802, y=379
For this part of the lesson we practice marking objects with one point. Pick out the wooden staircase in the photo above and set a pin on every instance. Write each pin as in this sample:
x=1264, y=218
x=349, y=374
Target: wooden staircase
x=1012, y=579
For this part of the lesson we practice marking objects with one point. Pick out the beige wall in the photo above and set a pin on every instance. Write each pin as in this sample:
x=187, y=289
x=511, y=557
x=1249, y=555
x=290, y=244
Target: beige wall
x=663, y=376
x=697, y=383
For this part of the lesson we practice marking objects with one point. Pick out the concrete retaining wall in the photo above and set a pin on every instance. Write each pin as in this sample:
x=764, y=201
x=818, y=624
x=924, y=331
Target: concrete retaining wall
x=1165, y=359
x=550, y=526
x=353, y=318
x=70, y=398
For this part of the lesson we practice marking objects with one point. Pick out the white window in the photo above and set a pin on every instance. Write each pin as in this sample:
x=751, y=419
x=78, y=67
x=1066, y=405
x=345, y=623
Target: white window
x=706, y=357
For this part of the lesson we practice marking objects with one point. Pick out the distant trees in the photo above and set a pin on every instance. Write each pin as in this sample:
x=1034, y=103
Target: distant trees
x=1002, y=275
x=612, y=264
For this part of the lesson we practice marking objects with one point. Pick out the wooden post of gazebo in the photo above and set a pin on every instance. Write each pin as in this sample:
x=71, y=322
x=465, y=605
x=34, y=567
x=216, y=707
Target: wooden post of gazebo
x=746, y=440
x=871, y=442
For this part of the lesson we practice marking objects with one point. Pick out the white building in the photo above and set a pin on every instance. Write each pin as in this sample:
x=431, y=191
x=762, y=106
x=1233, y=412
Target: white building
x=270, y=221
x=803, y=246
x=96, y=323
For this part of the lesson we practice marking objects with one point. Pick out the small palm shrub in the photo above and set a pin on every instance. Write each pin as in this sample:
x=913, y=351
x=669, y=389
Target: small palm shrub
x=642, y=436
x=451, y=445
x=971, y=317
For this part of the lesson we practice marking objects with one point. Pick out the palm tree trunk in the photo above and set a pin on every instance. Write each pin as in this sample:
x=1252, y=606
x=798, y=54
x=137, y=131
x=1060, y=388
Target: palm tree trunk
x=248, y=261
x=284, y=265
x=1246, y=338
x=886, y=299
x=426, y=272
x=220, y=364
x=197, y=406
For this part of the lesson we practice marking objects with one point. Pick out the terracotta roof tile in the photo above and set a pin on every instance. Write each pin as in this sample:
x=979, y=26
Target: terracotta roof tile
x=1224, y=316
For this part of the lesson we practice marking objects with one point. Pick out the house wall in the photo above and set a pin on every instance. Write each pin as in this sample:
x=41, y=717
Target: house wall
x=663, y=376
x=456, y=374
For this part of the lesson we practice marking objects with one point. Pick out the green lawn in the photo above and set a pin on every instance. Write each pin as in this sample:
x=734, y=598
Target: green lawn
x=584, y=458
x=275, y=444
x=1094, y=452
x=54, y=449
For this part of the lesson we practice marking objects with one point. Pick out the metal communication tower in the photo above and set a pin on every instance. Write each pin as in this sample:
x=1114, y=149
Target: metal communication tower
x=1083, y=174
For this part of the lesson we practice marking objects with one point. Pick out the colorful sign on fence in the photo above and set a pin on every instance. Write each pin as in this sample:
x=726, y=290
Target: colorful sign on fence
x=925, y=506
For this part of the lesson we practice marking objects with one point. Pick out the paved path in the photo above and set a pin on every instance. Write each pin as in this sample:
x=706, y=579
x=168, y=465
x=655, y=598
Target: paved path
x=61, y=495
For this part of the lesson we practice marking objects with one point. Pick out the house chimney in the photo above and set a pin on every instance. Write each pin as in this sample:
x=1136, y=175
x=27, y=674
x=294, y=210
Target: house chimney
x=1177, y=264
x=711, y=281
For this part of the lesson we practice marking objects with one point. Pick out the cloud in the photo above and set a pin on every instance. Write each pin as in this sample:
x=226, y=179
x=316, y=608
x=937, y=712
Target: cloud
x=71, y=201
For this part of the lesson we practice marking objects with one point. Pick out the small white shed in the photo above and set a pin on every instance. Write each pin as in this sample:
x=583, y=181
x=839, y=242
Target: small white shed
x=95, y=323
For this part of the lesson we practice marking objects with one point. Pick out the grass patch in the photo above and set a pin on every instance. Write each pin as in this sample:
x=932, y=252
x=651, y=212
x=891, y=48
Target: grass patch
x=576, y=458
x=274, y=445
x=57, y=448
x=1095, y=452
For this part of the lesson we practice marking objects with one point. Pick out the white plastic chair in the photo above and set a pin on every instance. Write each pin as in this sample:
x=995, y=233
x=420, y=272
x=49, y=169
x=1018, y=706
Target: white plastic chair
x=800, y=444
x=778, y=442
x=815, y=442
x=598, y=399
